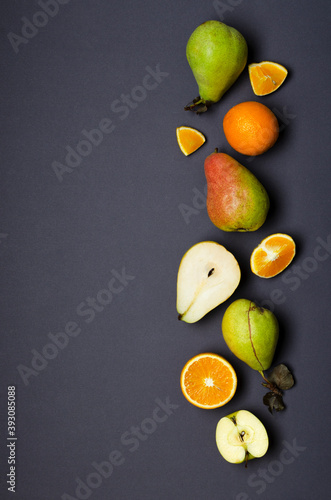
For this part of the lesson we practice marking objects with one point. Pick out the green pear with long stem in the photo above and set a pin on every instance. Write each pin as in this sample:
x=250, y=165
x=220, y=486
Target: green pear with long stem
x=217, y=54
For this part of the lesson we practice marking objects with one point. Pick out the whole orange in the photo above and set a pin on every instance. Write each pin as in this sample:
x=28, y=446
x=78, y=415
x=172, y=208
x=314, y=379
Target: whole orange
x=251, y=128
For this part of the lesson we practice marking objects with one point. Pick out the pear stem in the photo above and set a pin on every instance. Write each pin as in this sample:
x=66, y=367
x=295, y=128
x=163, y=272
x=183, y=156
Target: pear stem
x=270, y=385
x=263, y=376
x=198, y=105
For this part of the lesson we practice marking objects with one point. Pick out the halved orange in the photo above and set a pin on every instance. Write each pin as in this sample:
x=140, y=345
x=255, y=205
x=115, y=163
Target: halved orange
x=266, y=77
x=208, y=381
x=189, y=139
x=273, y=255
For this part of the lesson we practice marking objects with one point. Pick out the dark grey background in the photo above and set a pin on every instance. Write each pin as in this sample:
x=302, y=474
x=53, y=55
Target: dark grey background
x=120, y=208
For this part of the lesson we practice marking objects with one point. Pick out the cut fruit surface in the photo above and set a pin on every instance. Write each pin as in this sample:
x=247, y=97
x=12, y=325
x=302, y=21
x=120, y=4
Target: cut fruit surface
x=208, y=381
x=207, y=276
x=266, y=77
x=241, y=436
x=189, y=139
x=272, y=255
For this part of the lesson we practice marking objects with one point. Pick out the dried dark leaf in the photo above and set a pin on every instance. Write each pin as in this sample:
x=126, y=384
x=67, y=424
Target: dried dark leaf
x=268, y=400
x=273, y=401
x=282, y=377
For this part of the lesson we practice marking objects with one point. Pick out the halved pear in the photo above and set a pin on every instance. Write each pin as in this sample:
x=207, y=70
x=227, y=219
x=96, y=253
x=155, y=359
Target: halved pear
x=208, y=275
x=241, y=436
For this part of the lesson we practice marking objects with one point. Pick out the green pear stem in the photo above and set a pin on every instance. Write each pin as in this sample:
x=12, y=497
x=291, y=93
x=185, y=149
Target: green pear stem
x=270, y=385
x=263, y=376
x=198, y=105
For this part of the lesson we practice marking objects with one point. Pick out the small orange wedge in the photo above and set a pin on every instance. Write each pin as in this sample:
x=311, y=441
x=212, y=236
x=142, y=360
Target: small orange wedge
x=189, y=139
x=273, y=255
x=266, y=77
x=208, y=381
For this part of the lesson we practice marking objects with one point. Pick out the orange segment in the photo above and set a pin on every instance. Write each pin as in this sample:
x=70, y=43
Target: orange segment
x=266, y=77
x=272, y=255
x=208, y=381
x=189, y=139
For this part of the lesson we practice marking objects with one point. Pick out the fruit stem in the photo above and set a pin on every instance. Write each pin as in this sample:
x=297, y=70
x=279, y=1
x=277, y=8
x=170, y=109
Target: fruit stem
x=263, y=376
x=246, y=460
x=270, y=385
x=198, y=105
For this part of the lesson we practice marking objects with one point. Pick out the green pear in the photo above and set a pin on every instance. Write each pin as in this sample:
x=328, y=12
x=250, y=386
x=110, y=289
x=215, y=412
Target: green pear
x=217, y=54
x=236, y=200
x=251, y=333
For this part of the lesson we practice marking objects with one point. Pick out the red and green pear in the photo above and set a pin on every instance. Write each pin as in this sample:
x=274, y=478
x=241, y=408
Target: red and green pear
x=236, y=199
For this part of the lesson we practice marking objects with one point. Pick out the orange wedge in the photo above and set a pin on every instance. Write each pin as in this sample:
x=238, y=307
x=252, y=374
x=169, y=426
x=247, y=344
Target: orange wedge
x=208, y=381
x=272, y=255
x=266, y=77
x=189, y=139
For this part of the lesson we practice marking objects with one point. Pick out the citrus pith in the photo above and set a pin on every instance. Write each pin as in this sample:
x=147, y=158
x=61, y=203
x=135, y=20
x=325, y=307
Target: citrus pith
x=273, y=255
x=208, y=381
x=189, y=139
x=266, y=77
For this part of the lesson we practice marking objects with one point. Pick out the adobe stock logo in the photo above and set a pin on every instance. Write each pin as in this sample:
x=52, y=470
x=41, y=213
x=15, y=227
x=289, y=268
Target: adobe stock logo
x=298, y=273
x=30, y=29
x=87, y=309
x=130, y=440
x=225, y=6
x=268, y=475
x=121, y=107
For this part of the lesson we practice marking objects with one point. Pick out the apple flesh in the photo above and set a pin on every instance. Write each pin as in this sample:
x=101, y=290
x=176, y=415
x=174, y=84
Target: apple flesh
x=241, y=436
x=208, y=275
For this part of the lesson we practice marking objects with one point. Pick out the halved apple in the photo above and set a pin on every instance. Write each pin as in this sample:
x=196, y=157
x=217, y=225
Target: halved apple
x=241, y=436
x=208, y=275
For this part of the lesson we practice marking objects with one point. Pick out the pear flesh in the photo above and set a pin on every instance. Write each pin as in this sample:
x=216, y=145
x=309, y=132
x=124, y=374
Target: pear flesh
x=251, y=333
x=208, y=274
x=217, y=54
x=241, y=436
x=236, y=200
